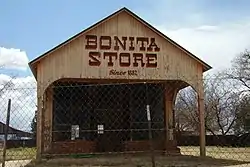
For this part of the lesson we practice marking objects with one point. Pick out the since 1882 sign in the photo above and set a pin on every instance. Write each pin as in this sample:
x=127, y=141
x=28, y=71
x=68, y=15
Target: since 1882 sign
x=125, y=51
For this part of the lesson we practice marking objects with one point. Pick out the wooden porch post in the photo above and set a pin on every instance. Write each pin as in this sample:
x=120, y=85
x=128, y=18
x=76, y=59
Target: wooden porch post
x=48, y=114
x=39, y=125
x=168, y=105
x=201, y=109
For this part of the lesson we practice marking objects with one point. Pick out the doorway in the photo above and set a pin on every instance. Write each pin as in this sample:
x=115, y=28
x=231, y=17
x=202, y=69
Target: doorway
x=109, y=114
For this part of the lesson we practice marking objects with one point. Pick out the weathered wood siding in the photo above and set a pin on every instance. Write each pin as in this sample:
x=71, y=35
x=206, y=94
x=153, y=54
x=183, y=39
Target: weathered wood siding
x=72, y=59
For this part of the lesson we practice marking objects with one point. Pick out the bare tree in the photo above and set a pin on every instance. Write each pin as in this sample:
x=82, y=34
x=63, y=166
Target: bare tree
x=33, y=125
x=221, y=99
x=242, y=124
x=240, y=73
x=240, y=70
x=186, y=111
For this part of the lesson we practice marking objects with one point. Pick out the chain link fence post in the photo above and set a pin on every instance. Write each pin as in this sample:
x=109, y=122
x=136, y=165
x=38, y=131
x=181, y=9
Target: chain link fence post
x=150, y=128
x=6, y=132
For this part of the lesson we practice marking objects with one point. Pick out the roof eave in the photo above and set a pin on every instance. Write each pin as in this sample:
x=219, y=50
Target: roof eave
x=33, y=69
x=205, y=65
x=33, y=63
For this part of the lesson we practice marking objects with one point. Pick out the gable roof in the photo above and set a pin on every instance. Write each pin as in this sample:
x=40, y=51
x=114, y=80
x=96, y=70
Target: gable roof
x=32, y=64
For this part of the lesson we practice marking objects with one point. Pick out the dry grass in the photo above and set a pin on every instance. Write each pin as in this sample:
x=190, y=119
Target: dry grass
x=19, y=153
x=231, y=153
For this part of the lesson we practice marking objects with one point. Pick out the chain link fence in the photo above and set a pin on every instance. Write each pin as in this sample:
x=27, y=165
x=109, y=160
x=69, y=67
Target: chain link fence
x=102, y=124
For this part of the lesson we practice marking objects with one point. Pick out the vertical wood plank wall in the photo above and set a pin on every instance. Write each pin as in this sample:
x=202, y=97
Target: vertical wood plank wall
x=71, y=61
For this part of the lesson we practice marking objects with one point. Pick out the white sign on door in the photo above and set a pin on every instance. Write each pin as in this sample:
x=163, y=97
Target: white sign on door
x=100, y=129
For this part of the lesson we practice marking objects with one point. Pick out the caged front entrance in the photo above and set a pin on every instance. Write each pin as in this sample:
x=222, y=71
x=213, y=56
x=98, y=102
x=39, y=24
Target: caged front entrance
x=106, y=117
x=81, y=109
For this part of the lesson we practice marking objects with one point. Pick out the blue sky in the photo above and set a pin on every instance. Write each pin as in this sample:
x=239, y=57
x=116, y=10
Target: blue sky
x=214, y=30
x=37, y=26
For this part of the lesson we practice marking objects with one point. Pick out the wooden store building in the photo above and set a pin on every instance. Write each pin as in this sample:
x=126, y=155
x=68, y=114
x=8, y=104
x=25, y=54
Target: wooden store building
x=119, y=59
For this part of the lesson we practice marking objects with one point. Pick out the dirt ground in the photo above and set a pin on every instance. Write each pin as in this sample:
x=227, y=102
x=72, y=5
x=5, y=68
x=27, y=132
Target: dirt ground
x=138, y=161
x=219, y=156
x=16, y=163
